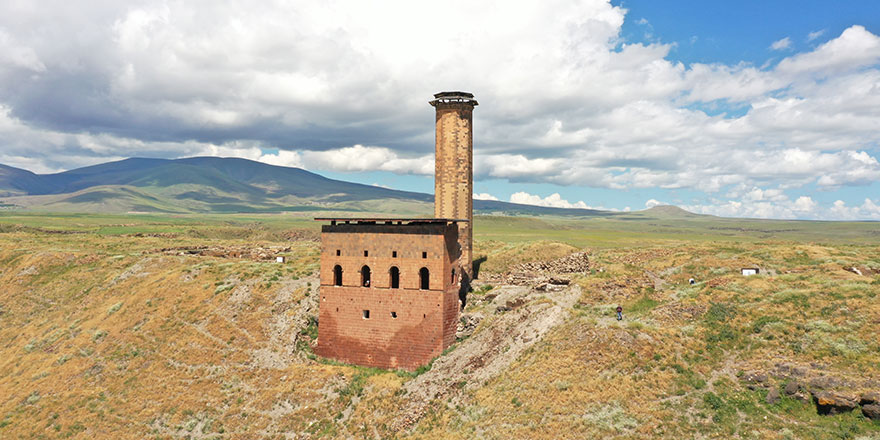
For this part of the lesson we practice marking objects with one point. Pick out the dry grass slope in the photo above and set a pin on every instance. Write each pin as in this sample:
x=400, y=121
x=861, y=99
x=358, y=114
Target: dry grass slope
x=104, y=335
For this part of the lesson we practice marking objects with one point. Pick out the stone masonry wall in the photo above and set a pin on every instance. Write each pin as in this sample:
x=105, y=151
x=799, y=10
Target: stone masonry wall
x=409, y=340
x=423, y=321
x=453, y=173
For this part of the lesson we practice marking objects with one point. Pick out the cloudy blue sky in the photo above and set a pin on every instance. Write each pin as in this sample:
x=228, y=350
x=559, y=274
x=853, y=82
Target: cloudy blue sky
x=746, y=108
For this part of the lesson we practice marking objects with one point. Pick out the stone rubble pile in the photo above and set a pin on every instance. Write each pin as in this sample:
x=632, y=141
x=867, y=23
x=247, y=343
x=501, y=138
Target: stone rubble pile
x=577, y=262
x=545, y=275
x=243, y=252
x=302, y=235
x=467, y=324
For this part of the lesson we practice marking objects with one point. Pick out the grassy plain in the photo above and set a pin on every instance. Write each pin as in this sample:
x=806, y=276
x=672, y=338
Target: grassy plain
x=107, y=332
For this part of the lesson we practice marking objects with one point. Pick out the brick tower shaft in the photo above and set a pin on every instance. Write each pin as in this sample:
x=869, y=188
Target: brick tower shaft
x=454, y=166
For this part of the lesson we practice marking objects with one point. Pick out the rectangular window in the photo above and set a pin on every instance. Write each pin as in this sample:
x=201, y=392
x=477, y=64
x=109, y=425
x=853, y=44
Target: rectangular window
x=393, y=254
x=337, y=252
x=366, y=254
x=366, y=314
x=424, y=255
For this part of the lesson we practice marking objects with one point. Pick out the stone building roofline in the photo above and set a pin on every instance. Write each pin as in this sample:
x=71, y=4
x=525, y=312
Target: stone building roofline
x=454, y=98
x=388, y=221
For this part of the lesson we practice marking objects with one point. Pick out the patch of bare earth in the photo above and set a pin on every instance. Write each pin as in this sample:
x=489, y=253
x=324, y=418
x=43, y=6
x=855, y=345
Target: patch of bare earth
x=501, y=339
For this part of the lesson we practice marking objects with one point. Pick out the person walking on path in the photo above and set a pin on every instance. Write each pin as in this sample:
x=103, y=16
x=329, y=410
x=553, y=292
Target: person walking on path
x=619, y=313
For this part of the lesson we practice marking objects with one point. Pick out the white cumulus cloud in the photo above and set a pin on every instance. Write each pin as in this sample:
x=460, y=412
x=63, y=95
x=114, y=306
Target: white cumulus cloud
x=364, y=158
x=653, y=202
x=782, y=207
x=553, y=200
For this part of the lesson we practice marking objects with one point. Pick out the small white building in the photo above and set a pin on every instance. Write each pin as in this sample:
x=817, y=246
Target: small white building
x=280, y=259
x=746, y=271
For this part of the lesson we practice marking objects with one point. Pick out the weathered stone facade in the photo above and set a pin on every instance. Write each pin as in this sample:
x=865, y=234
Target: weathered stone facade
x=408, y=311
x=454, y=166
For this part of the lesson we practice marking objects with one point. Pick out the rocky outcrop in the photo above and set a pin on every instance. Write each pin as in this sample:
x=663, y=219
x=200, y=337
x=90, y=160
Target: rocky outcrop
x=870, y=397
x=797, y=390
x=773, y=396
x=832, y=394
x=755, y=380
x=829, y=402
x=871, y=411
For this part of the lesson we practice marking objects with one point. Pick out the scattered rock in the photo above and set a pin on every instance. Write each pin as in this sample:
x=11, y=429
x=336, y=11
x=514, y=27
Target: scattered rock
x=467, y=324
x=136, y=270
x=854, y=270
x=864, y=271
x=548, y=287
x=792, y=388
x=243, y=252
x=871, y=411
x=302, y=235
x=773, y=396
x=827, y=382
x=829, y=403
x=559, y=281
x=802, y=397
x=799, y=372
x=871, y=397
x=755, y=378
x=152, y=235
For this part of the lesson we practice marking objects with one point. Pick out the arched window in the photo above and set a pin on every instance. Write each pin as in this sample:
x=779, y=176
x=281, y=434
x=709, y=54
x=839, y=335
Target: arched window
x=453, y=276
x=394, y=274
x=424, y=279
x=337, y=275
x=365, y=276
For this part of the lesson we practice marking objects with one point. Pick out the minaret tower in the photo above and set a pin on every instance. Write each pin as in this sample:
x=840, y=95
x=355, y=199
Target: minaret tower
x=454, y=166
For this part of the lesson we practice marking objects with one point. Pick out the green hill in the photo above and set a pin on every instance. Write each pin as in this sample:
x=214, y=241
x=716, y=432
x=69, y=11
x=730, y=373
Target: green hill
x=218, y=185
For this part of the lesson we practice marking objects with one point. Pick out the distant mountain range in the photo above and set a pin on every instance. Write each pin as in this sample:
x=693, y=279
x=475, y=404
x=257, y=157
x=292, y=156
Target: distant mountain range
x=218, y=185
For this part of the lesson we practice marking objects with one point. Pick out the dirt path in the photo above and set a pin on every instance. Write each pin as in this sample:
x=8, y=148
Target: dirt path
x=499, y=340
